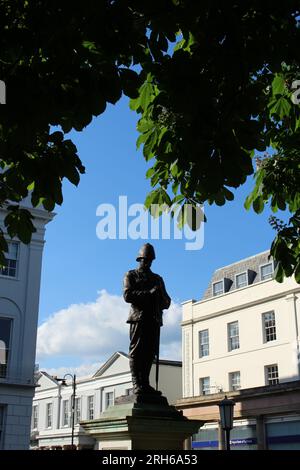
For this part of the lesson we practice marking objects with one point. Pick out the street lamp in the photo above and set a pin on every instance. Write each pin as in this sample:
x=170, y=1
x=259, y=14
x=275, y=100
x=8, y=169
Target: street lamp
x=63, y=382
x=226, y=415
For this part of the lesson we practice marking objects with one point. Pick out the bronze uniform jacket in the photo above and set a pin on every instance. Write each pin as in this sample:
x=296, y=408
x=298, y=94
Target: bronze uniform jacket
x=144, y=305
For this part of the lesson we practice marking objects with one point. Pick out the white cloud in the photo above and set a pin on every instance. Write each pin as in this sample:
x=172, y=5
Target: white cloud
x=93, y=331
x=84, y=370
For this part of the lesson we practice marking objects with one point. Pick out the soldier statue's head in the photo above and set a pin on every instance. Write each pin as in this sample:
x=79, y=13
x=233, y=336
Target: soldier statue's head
x=146, y=255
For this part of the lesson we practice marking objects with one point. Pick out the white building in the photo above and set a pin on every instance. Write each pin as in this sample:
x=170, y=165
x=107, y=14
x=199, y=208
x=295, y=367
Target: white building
x=51, y=414
x=243, y=334
x=19, y=303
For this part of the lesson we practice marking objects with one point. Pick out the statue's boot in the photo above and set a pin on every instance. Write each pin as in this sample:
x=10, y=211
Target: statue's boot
x=135, y=374
x=145, y=379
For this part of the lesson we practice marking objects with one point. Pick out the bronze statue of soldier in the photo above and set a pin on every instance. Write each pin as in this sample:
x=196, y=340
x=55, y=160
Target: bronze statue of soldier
x=147, y=294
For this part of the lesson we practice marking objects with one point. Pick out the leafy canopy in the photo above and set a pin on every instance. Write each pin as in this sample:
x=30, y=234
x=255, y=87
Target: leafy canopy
x=214, y=87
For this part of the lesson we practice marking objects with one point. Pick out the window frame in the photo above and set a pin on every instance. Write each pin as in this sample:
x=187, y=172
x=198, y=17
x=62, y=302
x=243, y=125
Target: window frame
x=65, y=413
x=229, y=338
x=77, y=411
x=33, y=427
x=267, y=379
x=223, y=288
x=232, y=387
x=240, y=274
x=264, y=265
x=202, y=389
x=8, y=350
x=89, y=408
x=265, y=328
x=7, y=276
x=203, y=344
x=106, y=401
x=47, y=415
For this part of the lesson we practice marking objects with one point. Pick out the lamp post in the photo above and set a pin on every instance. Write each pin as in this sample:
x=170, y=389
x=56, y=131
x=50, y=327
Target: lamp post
x=226, y=415
x=63, y=382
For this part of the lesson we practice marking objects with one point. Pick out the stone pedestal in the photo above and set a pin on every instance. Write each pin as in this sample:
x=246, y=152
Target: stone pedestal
x=151, y=424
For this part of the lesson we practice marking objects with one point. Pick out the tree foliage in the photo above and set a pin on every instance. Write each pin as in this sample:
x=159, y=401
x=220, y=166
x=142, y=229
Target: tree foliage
x=214, y=87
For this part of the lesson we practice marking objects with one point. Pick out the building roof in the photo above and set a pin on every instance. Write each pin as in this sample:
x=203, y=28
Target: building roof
x=104, y=368
x=251, y=265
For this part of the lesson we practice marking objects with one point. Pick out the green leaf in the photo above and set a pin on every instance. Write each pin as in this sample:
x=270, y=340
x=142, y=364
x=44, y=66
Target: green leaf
x=130, y=82
x=258, y=204
x=149, y=145
x=195, y=217
x=219, y=199
x=248, y=202
x=175, y=187
x=174, y=169
x=279, y=273
x=134, y=104
x=228, y=194
x=73, y=176
x=182, y=216
x=147, y=93
x=49, y=204
x=144, y=125
x=152, y=198
x=278, y=85
x=150, y=172
x=297, y=273
x=142, y=138
x=91, y=46
x=280, y=107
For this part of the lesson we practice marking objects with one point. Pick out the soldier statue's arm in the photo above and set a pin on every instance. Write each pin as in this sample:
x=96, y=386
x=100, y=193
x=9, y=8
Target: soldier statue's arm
x=165, y=299
x=132, y=295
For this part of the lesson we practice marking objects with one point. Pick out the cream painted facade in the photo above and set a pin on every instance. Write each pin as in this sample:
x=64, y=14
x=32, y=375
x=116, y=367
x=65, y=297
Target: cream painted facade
x=245, y=305
x=242, y=339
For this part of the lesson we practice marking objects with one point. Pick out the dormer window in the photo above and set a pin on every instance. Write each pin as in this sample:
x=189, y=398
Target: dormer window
x=222, y=286
x=241, y=280
x=218, y=288
x=266, y=271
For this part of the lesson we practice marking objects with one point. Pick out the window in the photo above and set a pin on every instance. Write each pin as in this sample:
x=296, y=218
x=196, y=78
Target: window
x=266, y=271
x=235, y=380
x=218, y=288
x=129, y=391
x=269, y=326
x=205, y=386
x=90, y=413
x=233, y=336
x=77, y=411
x=49, y=415
x=65, y=413
x=241, y=280
x=5, y=339
x=34, y=423
x=109, y=399
x=203, y=343
x=10, y=268
x=271, y=372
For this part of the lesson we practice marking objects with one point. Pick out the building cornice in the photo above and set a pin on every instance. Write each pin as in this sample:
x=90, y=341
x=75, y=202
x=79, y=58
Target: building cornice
x=239, y=395
x=240, y=306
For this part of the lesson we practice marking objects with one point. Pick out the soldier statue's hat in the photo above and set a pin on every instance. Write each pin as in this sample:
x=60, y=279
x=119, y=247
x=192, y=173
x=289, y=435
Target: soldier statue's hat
x=146, y=251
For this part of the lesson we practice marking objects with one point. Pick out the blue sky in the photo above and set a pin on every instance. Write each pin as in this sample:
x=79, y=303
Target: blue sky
x=77, y=265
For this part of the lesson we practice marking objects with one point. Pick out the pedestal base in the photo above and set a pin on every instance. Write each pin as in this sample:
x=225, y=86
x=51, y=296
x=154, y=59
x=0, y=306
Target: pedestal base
x=143, y=425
